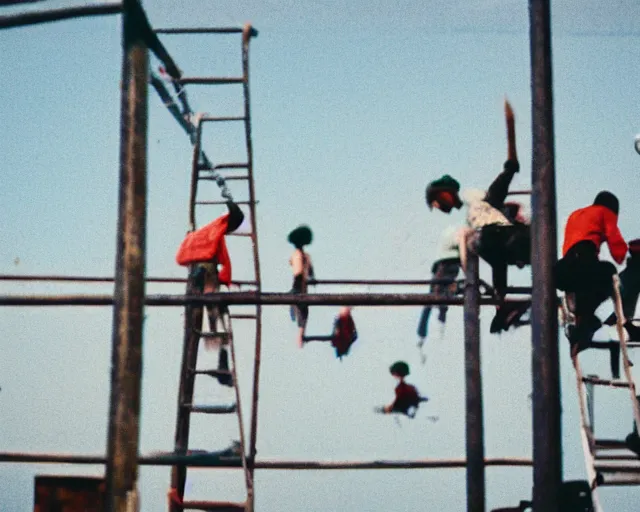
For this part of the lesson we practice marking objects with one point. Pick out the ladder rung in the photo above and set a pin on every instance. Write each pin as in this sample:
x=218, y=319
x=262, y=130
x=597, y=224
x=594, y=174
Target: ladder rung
x=225, y=202
x=226, y=178
x=210, y=80
x=610, y=444
x=317, y=338
x=607, y=344
x=619, y=479
x=623, y=456
x=218, y=506
x=618, y=468
x=200, y=30
x=212, y=373
x=244, y=317
x=223, y=336
x=214, y=119
x=234, y=165
x=239, y=234
x=607, y=382
x=211, y=409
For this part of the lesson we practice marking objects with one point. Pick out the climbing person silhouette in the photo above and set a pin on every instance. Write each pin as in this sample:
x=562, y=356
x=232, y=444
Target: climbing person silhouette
x=302, y=269
x=205, y=251
x=499, y=237
x=586, y=280
x=407, y=399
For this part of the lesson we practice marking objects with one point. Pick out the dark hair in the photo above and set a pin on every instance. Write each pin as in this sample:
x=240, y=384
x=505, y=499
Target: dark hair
x=608, y=200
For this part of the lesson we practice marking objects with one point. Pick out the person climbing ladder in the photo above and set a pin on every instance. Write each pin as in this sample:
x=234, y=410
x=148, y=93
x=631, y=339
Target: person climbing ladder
x=586, y=280
x=205, y=251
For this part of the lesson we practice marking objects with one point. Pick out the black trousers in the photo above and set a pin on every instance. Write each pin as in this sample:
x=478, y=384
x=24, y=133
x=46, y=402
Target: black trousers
x=580, y=271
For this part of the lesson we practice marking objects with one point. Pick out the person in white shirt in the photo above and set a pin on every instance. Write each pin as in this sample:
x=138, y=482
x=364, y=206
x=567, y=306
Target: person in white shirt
x=497, y=229
x=500, y=241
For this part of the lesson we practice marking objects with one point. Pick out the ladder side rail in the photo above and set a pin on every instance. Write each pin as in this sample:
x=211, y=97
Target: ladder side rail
x=623, y=349
x=194, y=175
x=192, y=318
x=247, y=33
x=236, y=387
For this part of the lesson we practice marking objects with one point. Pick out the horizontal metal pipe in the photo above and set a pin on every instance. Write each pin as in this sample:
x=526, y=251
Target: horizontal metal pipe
x=250, y=298
x=210, y=80
x=98, y=279
x=32, y=18
x=212, y=119
x=169, y=460
x=200, y=30
x=380, y=282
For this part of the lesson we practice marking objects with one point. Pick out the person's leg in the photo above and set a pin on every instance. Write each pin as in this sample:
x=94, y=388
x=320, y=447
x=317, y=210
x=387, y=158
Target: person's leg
x=497, y=191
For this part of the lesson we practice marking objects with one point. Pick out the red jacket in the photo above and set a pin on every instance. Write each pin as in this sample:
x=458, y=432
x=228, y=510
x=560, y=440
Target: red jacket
x=206, y=243
x=597, y=224
x=344, y=334
x=406, y=395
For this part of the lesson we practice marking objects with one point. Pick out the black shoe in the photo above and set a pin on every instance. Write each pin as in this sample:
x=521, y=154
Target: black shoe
x=633, y=331
x=633, y=443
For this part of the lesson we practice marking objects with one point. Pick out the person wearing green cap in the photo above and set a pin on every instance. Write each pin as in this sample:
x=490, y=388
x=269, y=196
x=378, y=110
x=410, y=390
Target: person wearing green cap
x=407, y=396
x=302, y=269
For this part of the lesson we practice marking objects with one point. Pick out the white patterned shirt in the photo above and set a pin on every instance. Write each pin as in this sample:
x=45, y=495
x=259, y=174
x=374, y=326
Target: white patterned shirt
x=479, y=212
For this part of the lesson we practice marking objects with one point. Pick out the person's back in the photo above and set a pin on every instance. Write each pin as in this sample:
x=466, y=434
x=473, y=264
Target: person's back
x=597, y=224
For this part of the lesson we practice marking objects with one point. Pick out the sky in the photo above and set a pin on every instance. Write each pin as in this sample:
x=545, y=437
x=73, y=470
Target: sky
x=355, y=107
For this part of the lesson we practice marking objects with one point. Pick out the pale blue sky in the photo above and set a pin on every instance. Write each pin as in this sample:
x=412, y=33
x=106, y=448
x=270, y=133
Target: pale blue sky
x=356, y=106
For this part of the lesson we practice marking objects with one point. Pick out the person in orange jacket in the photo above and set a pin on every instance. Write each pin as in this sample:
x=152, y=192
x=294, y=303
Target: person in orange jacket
x=587, y=280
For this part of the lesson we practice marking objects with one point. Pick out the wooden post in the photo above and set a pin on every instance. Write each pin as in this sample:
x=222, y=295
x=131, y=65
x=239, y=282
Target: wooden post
x=129, y=290
x=473, y=379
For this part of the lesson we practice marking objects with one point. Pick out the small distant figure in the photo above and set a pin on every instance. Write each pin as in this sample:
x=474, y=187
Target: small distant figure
x=408, y=398
x=445, y=269
x=587, y=281
x=302, y=269
x=344, y=332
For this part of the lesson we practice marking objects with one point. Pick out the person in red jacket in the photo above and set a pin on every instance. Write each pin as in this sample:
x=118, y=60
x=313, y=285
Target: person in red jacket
x=579, y=272
x=407, y=396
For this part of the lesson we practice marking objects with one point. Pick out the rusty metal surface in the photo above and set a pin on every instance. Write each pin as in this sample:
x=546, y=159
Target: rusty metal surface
x=473, y=387
x=547, y=443
x=129, y=293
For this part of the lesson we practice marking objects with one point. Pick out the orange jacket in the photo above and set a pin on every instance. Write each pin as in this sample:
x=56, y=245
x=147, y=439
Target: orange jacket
x=206, y=243
x=597, y=224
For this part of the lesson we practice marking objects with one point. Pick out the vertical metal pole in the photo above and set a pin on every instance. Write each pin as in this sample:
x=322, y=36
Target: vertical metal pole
x=473, y=380
x=547, y=444
x=128, y=307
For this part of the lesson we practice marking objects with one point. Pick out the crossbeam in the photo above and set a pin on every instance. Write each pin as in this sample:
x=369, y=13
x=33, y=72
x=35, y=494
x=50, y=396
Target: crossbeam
x=251, y=298
x=170, y=460
x=103, y=279
x=33, y=18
